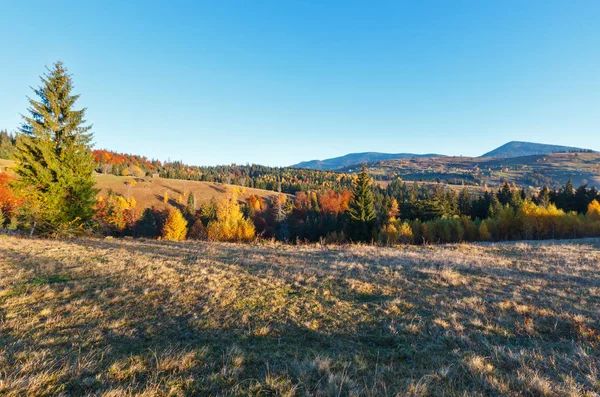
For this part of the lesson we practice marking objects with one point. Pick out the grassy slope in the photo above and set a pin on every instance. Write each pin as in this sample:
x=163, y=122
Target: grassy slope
x=150, y=193
x=120, y=317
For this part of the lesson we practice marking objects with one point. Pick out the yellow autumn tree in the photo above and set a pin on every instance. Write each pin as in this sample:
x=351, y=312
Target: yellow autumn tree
x=230, y=224
x=593, y=210
x=484, y=232
x=115, y=213
x=166, y=197
x=405, y=233
x=394, y=209
x=388, y=234
x=175, y=227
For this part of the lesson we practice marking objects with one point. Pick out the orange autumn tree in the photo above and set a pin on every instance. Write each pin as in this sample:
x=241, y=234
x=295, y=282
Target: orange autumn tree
x=9, y=203
x=255, y=203
x=115, y=213
x=335, y=203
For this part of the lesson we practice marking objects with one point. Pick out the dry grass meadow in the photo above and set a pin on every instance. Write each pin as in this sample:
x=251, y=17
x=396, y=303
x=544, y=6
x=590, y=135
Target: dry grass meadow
x=126, y=317
x=150, y=192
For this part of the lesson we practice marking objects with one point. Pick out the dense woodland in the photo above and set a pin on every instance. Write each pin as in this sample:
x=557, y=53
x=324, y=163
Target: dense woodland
x=53, y=194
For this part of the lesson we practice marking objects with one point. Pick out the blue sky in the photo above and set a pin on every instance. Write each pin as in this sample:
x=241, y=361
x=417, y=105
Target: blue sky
x=278, y=82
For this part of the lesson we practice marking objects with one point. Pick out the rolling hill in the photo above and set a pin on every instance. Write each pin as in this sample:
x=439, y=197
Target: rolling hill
x=356, y=158
x=520, y=149
x=508, y=150
x=149, y=192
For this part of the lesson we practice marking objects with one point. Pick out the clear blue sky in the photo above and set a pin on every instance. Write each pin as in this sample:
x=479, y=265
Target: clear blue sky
x=283, y=81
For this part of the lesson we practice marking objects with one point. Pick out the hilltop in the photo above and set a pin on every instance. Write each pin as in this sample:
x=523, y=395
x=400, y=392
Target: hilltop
x=337, y=163
x=122, y=317
x=521, y=149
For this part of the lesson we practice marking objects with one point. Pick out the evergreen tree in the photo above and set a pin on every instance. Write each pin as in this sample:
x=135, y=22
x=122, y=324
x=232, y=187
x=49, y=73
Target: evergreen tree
x=191, y=202
x=362, y=210
x=55, y=163
x=543, y=197
x=8, y=144
x=464, y=202
x=148, y=225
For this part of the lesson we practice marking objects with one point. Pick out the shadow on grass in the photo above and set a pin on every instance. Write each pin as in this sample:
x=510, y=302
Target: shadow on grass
x=391, y=348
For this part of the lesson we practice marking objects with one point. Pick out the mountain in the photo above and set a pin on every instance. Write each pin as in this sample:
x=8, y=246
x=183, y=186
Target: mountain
x=520, y=149
x=356, y=158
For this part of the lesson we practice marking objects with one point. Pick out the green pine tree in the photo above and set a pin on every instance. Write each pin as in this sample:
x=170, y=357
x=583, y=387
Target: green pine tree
x=55, y=163
x=362, y=209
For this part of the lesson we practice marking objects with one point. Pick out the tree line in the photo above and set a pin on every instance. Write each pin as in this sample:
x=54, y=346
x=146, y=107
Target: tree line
x=54, y=195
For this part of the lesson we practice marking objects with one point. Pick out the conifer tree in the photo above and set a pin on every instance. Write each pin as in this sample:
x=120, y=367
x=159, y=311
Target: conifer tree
x=362, y=208
x=191, y=202
x=464, y=202
x=55, y=163
x=175, y=227
x=543, y=198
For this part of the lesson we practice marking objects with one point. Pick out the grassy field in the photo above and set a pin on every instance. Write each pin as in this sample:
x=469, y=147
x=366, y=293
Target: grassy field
x=125, y=317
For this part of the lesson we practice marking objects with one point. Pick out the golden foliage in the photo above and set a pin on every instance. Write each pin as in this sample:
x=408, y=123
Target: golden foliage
x=594, y=210
x=255, y=203
x=116, y=212
x=230, y=224
x=396, y=232
x=175, y=227
x=484, y=232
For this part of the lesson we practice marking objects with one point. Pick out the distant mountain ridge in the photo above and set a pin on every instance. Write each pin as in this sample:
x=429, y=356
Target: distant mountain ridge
x=356, y=158
x=508, y=150
x=520, y=149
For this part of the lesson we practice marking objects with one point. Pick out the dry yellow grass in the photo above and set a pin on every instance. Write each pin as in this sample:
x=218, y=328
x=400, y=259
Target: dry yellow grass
x=150, y=192
x=125, y=317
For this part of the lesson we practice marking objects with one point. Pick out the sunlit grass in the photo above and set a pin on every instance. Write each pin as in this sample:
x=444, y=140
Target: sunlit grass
x=125, y=317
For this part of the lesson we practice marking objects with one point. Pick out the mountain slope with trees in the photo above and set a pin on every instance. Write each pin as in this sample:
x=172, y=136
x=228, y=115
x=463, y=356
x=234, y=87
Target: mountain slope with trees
x=354, y=159
x=521, y=149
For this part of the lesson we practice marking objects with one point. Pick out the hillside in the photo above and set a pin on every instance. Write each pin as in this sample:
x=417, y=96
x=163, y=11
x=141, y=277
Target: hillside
x=354, y=159
x=554, y=170
x=128, y=317
x=150, y=192
x=508, y=150
x=521, y=149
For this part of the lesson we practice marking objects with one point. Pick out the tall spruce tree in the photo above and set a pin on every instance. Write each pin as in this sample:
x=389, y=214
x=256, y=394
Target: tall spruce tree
x=55, y=163
x=362, y=209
